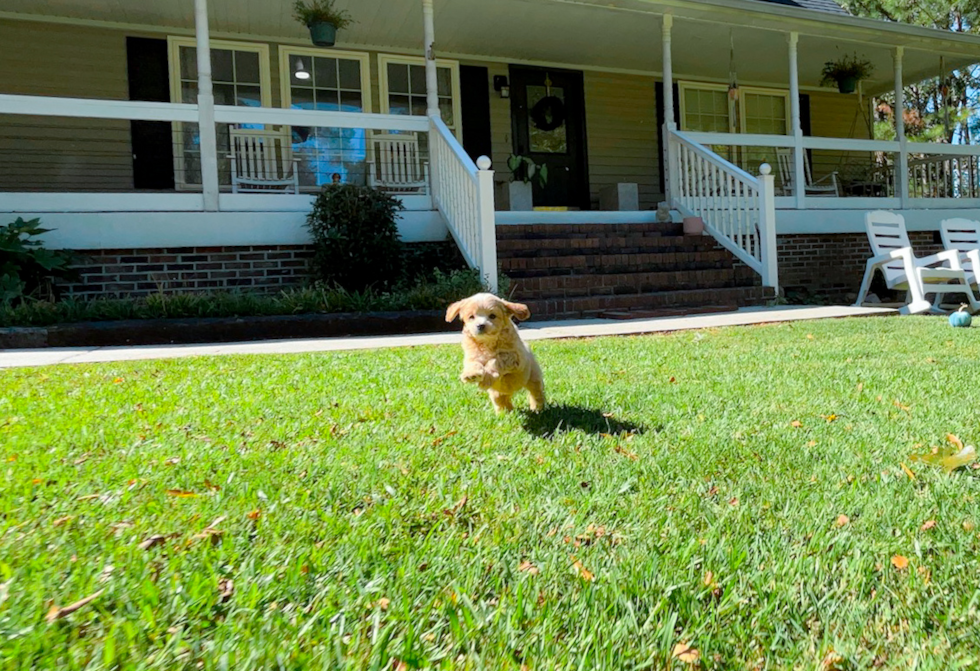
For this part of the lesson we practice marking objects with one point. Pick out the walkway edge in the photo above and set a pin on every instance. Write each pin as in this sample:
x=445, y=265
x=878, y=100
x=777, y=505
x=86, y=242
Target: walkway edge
x=590, y=328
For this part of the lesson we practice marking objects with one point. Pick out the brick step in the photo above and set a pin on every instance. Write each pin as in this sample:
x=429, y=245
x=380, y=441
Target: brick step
x=667, y=312
x=594, y=306
x=621, y=244
x=571, y=286
x=538, y=231
x=594, y=264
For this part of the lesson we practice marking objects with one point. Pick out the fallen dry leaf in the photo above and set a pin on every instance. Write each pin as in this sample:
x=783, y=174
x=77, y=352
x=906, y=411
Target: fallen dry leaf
x=383, y=603
x=733, y=501
x=900, y=562
x=226, y=588
x=709, y=578
x=796, y=424
x=901, y=406
x=809, y=336
x=180, y=493
x=62, y=520
x=152, y=541
x=528, y=567
x=955, y=441
x=713, y=491
x=812, y=443
x=255, y=514
x=843, y=520
x=860, y=387
x=928, y=525
x=673, y=379
x=832, y=661
x=581, y=571
x=57, y=613
x=969, y=526
x=438, y=441
x=458, y=507
x=831, y=417
x=685, y=653
x=908, y=472
x=210, y=485
x=619, y=449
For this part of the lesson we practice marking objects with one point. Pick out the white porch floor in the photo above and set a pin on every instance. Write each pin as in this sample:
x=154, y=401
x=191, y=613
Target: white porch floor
x=585, y=328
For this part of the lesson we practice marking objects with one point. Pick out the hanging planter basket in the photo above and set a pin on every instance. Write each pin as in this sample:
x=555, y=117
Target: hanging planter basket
x=847, y=84
x=323, y=34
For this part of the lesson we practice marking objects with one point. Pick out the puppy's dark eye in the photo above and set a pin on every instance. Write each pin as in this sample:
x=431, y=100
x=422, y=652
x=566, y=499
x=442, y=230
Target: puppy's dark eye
x=493, y=315
x=470, y=318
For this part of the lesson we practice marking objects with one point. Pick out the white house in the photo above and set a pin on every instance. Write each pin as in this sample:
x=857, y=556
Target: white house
x=128, y=126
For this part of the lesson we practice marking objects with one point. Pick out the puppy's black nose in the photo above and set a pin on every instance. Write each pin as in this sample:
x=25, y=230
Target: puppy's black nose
x=481, y=327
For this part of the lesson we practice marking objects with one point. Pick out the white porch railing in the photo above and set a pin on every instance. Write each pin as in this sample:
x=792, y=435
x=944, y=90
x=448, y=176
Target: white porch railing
x=738, y=209
x=463, y=193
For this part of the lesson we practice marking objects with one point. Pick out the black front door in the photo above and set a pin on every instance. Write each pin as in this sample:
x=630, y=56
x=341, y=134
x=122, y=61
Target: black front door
x=548, y=117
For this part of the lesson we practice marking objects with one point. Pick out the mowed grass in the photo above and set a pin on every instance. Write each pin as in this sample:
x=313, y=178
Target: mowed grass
x=368, y=511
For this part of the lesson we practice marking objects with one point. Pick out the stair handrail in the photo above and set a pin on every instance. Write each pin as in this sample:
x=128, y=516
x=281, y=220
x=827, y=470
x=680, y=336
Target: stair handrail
x=462, y=191
x=738, y=209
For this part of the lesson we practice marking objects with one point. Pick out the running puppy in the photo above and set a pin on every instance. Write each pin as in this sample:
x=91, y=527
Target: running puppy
x=494, y=356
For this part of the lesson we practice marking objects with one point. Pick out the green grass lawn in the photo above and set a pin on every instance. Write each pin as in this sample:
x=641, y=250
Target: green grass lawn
x=367, y=510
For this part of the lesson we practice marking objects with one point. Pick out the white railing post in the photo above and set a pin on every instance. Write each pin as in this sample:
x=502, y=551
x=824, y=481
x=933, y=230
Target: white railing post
x=767, y=227
x=799, y=169
x=902, y=171
x=488, y=223
x=208, y=132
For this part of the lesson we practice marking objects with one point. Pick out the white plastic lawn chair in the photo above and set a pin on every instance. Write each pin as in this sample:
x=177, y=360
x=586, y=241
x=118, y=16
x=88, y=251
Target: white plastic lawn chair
x=893, y=256
x=828, y=185
x=963, y=236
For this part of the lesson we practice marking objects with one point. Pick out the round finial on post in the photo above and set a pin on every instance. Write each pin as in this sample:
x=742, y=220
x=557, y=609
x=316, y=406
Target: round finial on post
x=765, y=169
x=483, y=163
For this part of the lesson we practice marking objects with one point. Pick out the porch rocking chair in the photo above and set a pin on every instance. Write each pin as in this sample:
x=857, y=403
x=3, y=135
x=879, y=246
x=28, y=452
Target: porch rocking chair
x=893, y=256
x=396, y=165
x=262, y=161
x=787, y=170
x=963, y=236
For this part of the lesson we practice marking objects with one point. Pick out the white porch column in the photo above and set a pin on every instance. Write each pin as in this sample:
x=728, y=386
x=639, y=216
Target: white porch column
x=796, y=125
x=666, y=164
x=668, y=72
x=902, y=168
x=431, y=80
x=205, y=108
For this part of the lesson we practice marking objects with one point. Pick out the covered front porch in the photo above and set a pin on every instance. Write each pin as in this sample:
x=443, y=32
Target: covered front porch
x=639, y=84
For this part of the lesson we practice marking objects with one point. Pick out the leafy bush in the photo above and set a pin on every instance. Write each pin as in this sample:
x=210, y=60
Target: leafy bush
x=26, y=267
x=355, y=238
x=435, y=294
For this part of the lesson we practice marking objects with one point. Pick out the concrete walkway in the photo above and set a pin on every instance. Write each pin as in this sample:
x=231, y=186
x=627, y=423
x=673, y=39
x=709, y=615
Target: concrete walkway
x=533, y=331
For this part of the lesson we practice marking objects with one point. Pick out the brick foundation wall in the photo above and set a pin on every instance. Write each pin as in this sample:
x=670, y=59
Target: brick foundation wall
x=833, y=264
x=139, y=272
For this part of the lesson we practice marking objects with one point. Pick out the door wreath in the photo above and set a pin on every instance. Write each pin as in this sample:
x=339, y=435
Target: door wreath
x=549, y=112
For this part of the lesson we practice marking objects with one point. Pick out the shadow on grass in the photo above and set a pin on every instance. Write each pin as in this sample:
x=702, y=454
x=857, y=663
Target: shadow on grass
x=557, y=419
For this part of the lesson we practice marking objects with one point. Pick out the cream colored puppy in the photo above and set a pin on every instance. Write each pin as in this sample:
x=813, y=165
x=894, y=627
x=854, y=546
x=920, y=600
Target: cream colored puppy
x=494, y=356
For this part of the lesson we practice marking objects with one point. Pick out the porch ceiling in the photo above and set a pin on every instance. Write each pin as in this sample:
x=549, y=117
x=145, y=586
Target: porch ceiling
x=612, y=34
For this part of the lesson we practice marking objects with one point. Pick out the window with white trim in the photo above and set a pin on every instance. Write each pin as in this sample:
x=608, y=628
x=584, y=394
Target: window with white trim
x=403, y=88
x=710, y=108
x=240, y=76
x=332, y=81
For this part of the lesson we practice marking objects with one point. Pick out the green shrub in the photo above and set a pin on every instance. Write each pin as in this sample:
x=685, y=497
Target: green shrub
x=26, y=266
x=355, y=237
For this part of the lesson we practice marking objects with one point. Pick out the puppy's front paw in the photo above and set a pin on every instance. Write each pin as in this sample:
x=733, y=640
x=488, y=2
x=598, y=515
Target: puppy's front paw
x=472, y=375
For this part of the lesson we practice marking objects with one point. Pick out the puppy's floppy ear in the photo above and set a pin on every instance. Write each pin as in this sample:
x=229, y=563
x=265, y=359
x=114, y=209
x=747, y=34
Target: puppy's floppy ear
x=453, y=310
x=519, y=310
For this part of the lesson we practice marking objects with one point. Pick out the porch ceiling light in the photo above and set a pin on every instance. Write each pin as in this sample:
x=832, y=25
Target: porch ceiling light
x=301, y=72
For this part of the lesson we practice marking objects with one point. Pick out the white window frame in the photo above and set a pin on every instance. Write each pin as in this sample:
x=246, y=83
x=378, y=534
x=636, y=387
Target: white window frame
x=385, y=59
x=174, y=44
x=286, y=77
x=743, y=90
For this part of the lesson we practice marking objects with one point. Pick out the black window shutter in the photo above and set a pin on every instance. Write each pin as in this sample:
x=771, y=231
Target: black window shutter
x=660, y=126
x=474, y=94
x=149, y=80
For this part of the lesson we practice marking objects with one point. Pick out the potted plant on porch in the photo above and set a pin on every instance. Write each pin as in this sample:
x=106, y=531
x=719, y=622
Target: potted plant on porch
x=846, y=72
x=524, y=171
x=323, y=20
